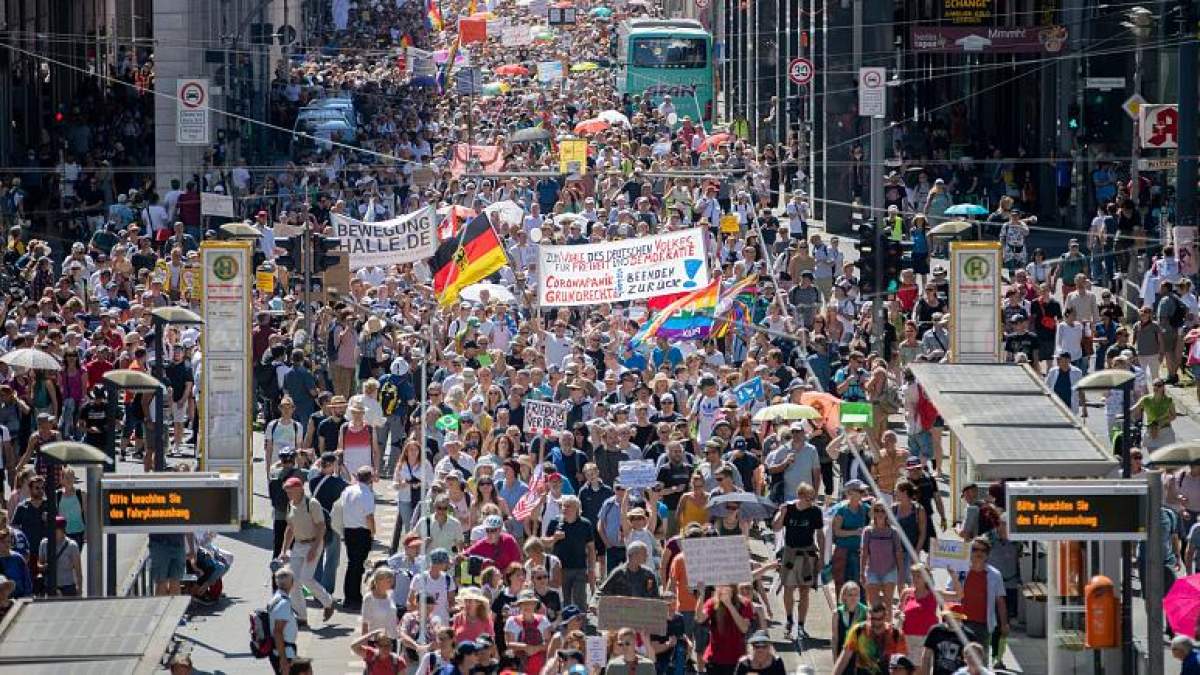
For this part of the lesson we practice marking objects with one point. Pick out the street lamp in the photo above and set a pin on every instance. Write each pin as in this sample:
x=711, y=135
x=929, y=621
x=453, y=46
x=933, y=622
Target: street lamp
x=69, y=452
x=1110, y=380
x=1141, y=24
x=161, y=317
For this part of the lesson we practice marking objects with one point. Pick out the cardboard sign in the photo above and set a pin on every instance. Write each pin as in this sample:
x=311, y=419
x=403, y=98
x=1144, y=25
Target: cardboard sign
x=472, y=30
x=572, y=156
x=517, y=36
x=951, y=554
x=636, y=474
x=549, y=71
x=730, y=224
x=717, y=560
x=216, y=204
x=597, y=652
x=543, y=418
x=640, y=614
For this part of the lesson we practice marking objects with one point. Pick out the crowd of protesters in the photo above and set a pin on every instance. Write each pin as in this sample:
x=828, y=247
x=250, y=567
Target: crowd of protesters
x=505, y=541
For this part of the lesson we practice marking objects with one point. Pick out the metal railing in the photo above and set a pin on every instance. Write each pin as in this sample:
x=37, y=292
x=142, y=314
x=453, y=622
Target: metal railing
x=138, y=582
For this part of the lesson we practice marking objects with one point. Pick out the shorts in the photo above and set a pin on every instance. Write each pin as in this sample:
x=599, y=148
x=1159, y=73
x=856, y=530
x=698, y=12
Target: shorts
x=166, y=562
x=921, y=445
x=920, y=263
x=877, y=579
x=179, y=411
x=799, y=566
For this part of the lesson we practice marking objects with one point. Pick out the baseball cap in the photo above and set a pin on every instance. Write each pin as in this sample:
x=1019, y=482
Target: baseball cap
x=760, y=638
x=900, y=660
x=466, y=648
x=855, y=485
x=493, y=522
x=912, y=463
x=439, y=556
x=570, y=612
x=293, y=482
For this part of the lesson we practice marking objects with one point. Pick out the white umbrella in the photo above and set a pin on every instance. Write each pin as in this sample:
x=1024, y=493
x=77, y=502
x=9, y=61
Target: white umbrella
x=511, y=213
x=568, y=217
x=614, y=118
x=496, y=292
x=32, y=359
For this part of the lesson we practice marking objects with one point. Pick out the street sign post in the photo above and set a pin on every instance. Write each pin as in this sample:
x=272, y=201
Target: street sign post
x=1078, y=510
x=872, y=95
x=1132, y=105
x=800, y=71
x=191, y=112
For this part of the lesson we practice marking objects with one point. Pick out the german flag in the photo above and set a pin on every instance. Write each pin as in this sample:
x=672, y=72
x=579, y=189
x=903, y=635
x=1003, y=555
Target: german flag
x=473, y=255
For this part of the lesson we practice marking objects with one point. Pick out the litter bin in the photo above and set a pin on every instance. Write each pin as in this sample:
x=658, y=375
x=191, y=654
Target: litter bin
x=1033, y=597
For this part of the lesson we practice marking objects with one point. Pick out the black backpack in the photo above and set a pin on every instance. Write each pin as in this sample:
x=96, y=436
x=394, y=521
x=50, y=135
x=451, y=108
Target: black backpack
x=279, y=499
x=1178, y=312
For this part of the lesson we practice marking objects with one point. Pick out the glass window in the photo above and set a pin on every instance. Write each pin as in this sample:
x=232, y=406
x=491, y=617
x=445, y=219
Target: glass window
x=669, y=53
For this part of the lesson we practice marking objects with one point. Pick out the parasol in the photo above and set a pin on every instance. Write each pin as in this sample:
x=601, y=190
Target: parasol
x=31, y=359
x=787, y=411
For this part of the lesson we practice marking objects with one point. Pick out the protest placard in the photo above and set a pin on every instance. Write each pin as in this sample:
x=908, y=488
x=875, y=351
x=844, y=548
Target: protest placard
x=549, y=71
x=950, y=554
x=616, y=271
x=748, y=391
x=597, y=651
x=543, y=418
x=641, y=614
x=572, y=155
x=406, y=239
x=637, y=473
x=717, y=560
x=517, y=36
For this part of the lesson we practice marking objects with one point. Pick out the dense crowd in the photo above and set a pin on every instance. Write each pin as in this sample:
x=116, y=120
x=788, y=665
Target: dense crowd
x=506, y=542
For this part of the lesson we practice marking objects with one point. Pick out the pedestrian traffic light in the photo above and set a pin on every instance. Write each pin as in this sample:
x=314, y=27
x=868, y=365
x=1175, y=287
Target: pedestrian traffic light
x=893, y=262
x=868, y=252
x=1073, y=121
x=293, y=260
x=322, y=248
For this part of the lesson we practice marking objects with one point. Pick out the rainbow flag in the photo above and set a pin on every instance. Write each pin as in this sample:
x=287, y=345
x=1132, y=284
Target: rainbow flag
x=406, y=41
x=433, y=15
x=734, y=300
x=688, y=318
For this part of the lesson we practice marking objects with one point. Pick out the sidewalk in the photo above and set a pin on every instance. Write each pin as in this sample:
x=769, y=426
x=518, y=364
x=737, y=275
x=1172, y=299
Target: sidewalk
x=219, y=637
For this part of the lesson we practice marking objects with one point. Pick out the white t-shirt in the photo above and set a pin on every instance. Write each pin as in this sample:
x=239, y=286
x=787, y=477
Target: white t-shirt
x=707, y=408
x=439, y=589
x=280, y=609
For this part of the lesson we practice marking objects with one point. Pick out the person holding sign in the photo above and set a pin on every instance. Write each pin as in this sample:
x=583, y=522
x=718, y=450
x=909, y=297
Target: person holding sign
x=728, y=618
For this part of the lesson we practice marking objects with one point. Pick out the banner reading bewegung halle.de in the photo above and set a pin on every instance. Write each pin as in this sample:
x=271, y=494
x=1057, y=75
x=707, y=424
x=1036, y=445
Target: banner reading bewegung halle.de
x=630, y=269
x=406, y=239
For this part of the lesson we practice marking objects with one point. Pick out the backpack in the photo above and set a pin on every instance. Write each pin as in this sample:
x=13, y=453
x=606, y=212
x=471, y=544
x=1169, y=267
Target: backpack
x=279, y=499
x=470, y=568
x=262, y=640
x=389, y=396
x=1178, y=312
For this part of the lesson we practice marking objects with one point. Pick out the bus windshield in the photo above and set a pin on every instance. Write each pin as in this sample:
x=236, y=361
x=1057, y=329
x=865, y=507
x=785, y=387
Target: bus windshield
x=668, y=52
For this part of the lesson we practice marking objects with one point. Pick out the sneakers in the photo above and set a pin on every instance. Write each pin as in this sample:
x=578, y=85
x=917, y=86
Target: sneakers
x=787, y=630
x=801, y=634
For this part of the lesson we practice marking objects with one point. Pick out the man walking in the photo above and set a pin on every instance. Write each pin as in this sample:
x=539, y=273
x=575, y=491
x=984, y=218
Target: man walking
x=358, y=516
x=304, y=538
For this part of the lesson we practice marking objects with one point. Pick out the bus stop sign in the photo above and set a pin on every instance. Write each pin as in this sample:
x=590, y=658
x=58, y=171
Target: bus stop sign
x=800, y=71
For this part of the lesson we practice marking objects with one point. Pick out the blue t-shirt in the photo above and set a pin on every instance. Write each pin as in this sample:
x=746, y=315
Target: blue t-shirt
x=1190, y=664
x=672, y=356
x=851, y=520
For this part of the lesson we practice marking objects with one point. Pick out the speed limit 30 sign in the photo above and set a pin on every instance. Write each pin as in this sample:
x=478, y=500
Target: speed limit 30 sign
x=800, y=71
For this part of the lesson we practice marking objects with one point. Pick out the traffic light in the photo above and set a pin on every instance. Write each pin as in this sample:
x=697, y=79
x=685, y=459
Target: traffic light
x=293, y=260
x=1073, y=117
x=322, y=247
x=868, y=252
x=893, y=262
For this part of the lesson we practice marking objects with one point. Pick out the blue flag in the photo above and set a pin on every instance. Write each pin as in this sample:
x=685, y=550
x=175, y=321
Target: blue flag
x=749, y=391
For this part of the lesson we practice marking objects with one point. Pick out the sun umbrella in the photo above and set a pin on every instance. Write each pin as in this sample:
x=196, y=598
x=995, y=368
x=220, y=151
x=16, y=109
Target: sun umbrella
x=529, y=135
x=615, y=118
x=512, y=70
x=592, y=126
x=496, y=88
x=544, y=36
x=787, y=411
x=966, y=210
x=496, y=292
x=601, y=12
x=31, y=359
x=511, y=213
x=715, y=141
x=569, y=217
x=1182, y=604
x=828, y=405
x=1175, y=454
x=584, y=66
x=951, y=228
x=752, y=506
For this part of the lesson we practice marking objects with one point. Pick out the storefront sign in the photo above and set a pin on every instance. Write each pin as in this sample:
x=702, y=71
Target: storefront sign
x=631, y=269
x=170, y=503
x=406, y=239
x=1077, y=510
x=984, y=39
x=967, y=12
x=975, y=328
x=1159, y=126
x=226, y=400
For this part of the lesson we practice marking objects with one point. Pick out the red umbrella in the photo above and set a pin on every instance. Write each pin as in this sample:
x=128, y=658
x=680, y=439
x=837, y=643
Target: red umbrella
x=1182, y=604
x=592, y=126
x=715, y=141
x=513, y=70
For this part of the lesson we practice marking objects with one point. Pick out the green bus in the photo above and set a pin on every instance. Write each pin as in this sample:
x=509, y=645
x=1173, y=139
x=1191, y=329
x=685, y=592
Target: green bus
x=668, y=57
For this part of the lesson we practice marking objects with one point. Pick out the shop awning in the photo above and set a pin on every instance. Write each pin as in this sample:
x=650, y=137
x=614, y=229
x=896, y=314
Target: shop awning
x=1011, y=425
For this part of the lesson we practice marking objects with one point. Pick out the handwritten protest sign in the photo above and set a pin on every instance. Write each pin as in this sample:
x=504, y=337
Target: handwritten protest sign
x=640, y=614
x=637, y=473
x=405, y=239
x=543, y=418
x=517, y=36
x=950, y=554
x=717, y=560
x=597, y=651
x=616, y=271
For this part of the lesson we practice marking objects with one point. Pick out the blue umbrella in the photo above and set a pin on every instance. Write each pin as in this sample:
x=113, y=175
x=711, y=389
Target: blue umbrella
x=966, y=210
